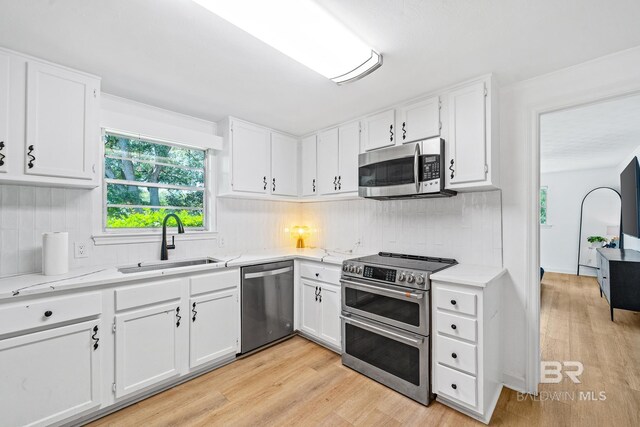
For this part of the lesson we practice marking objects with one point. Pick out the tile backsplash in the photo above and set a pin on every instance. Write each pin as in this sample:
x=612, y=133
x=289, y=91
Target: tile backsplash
x=466, y=227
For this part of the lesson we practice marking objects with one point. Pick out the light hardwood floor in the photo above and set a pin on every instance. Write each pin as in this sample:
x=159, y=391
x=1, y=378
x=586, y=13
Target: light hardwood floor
x=298, y=383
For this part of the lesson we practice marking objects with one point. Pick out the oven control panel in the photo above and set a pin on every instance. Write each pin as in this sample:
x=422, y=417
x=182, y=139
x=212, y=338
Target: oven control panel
x=406, y=278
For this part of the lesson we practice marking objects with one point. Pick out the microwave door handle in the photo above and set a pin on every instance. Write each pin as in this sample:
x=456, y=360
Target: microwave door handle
x=415, y=342
x=375, y=289
x=416, y=167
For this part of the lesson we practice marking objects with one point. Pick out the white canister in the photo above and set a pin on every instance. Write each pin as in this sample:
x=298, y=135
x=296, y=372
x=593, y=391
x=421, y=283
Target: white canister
x=55, y=253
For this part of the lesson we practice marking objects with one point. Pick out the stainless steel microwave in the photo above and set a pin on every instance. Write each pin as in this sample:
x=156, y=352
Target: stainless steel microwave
x=410, y=170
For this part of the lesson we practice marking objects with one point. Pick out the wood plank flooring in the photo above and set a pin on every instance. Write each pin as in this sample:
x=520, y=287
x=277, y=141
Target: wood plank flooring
x=298, y=383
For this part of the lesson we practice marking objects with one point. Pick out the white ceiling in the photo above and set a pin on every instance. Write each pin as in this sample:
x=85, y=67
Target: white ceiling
x=593, y=136
x=176, y=55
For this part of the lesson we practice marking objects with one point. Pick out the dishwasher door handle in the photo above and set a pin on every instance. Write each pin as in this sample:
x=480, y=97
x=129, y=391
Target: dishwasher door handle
x=268, y=273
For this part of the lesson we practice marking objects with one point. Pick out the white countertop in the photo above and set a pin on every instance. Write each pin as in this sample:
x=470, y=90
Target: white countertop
x=87, y=277
x=467, y=274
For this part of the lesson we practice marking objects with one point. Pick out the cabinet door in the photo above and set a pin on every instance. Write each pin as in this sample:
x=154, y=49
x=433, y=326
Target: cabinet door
x=467, y=134
x=419, y=120
x=214, y=327
x=146, y=346
x=4, y=111
x=251, y=158
x=330, y=329
x=378, y=131
x=62, y=128
x=328, y=162
x=308, y=166
x=309, y=308
x=348, y=150
x=49, y=376
x=284, y=165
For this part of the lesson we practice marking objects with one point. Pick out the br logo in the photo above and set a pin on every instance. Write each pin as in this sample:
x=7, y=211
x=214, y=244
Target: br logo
x=552, y=370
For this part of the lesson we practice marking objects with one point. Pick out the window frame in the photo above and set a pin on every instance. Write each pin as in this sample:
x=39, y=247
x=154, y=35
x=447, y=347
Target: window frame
x=208, y=198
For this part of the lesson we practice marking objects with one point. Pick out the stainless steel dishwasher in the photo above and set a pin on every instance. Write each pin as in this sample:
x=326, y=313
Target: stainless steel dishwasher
x=267, y=304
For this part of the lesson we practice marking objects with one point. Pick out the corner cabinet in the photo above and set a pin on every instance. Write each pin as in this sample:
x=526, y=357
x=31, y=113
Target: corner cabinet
x=472, y=138
x=49, y=123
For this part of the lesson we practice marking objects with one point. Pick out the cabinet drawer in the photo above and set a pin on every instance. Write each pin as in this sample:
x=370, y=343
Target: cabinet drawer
x=48, y=311
x=460, y=302
x=216, y=281
x=148, y=293
x=319, y=272
x=456, y=385
x=457, y=354
x=457, y=326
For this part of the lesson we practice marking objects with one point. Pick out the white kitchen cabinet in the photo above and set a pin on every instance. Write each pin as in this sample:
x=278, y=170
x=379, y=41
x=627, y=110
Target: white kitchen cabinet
x=284, y=165
x=472, y=162
x=213, y=329
x=148, y=349
x=4, y=110
x=328, y=161
x=466, y=339
x=308, y=184
x=379, y=131
x=251, y=157
x=62, y=129
x=320, y=303
x=348, y=150
x=49, y=123
x=51, y=375
x=419, y=120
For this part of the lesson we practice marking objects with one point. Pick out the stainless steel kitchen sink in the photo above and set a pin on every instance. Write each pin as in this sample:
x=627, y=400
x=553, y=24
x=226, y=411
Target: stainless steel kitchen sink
x=165, y=265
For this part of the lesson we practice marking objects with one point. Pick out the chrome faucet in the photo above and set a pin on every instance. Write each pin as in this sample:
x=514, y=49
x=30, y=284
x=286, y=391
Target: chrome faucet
x=164, y=251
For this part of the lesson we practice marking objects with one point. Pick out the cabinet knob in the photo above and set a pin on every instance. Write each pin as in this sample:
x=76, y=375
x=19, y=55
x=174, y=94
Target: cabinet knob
x=455, y=356
x=454, y=327
x=453, y=386
x=48, y=313
x=453, y=302
x=317, y=274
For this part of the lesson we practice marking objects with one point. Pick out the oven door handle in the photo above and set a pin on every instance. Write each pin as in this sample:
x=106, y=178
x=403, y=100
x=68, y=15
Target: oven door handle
x=415, y=342
x=416, y=167
x=381, y=291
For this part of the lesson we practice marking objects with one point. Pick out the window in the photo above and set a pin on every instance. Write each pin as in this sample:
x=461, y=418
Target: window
x=146, y=180
x=543, y=205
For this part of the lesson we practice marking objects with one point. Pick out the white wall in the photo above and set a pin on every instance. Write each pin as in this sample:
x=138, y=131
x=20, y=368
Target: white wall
x=467, y=227
x=559, y=239
x=519, y=105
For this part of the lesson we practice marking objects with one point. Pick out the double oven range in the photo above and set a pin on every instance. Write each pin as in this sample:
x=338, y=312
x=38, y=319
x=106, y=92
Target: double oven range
x=386, y=319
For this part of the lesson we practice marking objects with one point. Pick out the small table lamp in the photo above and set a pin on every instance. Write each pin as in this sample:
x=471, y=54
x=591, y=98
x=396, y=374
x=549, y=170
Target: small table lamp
x=300, y=232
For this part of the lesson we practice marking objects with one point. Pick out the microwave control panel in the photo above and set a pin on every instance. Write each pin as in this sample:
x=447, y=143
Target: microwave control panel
x=430, y=167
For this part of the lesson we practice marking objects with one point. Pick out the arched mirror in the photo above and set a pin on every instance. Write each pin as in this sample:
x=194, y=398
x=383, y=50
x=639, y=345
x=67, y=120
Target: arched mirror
x=599, y=226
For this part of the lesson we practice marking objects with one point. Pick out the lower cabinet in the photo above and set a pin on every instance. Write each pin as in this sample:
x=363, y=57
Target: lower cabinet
x=147, y=346
x=48, y=376
x=213, y=327
x=320, y=311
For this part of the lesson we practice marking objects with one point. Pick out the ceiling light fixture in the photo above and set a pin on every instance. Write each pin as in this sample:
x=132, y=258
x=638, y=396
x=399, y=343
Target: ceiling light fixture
x=304, y=31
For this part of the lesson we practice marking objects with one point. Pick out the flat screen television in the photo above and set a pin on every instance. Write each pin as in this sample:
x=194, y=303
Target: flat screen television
x=630, y=193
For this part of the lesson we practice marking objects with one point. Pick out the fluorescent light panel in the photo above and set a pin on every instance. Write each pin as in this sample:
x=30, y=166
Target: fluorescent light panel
x=304, y=31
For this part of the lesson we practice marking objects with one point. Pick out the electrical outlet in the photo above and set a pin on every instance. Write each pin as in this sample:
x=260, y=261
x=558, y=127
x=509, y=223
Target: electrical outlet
x=220, y=242
x=80, y=250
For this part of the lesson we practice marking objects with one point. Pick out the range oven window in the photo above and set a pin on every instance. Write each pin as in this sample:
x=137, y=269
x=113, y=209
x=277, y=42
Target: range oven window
x=403, y=310
x=396, y=358
x=390, y=172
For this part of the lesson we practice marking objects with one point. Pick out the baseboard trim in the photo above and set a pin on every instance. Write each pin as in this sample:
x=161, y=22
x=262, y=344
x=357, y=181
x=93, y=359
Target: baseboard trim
x=517, y=383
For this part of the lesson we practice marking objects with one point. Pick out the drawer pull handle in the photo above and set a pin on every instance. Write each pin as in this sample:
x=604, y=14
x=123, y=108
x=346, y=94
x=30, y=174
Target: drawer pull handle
x=454, y=327
x=453, y=302
x=455, y=356
x=48, y=313
x=453, y=386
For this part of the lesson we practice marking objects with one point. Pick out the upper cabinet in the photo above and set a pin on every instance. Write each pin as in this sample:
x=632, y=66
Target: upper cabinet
x=378, y=131
x=308, y=178
x=419, y=120
x=284, y=165
x=337, y=159
x=49, y=123
x=250, y=153
x=472, y=143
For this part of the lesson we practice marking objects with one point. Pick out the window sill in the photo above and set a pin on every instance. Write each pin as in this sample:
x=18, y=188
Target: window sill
x=149, y=237
x=546, y=225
